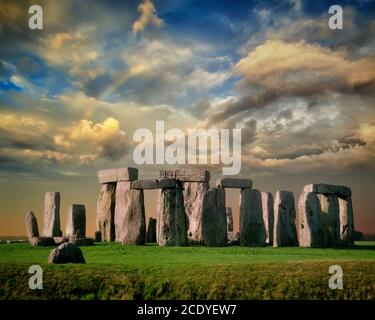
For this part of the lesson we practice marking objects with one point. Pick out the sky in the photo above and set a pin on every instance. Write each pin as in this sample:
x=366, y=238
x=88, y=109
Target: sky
x=73, y=94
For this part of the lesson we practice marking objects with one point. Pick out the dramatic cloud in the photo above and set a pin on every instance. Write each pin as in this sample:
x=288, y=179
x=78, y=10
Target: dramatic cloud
x=148, y=17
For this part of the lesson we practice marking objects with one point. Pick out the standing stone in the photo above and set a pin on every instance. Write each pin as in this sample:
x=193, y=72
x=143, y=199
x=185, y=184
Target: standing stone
x=346, y=222
x=268, y=215
x=76, y=221
x=285, y=234
x=122, y=188
x=252, y=230
x=331, y=219
x=151, y=231
x=214, y=224
x=311, y=232
x=195, y=194
x=229, y=219
x=31, y=225
x=98, y=236
x=105, y=212
x=51, y=223
x=171, y=224
x=133, y=228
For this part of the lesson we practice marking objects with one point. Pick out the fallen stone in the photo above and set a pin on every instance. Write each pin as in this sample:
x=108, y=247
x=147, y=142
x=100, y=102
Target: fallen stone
x=60, y=240
x=268, y=215
x=214, y=222
x=341, y=191
x=115, y=175
x=16, y=241
x=105, y=212
x=98, y=236
x=234, y=183
x=42, y=242
x=186, y=175
x=51, y=223
x=285, y=233
x=76, y=221
x=171, y=224
x=82, y=241
x=195, y=194
x=233, y=238
x=133, y=228
x=31, y=225
x=229, y=219
x=66, y=253
x=151, y=231
x=252, y=230
x=153, y=184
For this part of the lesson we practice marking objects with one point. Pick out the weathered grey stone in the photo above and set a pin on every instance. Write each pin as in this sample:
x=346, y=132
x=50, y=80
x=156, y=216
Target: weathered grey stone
x=82, y=241
x=133, y=228
x=318, y=220
x=105, y=212
x=214, y=222
x=233, y=238
x=268, y=215
x=285, y=233
x=330, y=211
x=252, y=230
x=16, y=241
x=229, y=219
x=122, y=198
x=195, y=194
x=42, y=242
x=346, y=222
x=60, y=240
x=51, y=223
x=31, y=225
x=171, y=224
x=76, y=221
x=341, y=191
x=151, y=231
x=153, y=184
x=234, y=183
x=66, y=253
x=119, y=174
x=98, y=236
x=186, y=175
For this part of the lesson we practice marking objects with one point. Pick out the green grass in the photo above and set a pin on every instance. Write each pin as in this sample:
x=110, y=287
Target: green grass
x=113, y=271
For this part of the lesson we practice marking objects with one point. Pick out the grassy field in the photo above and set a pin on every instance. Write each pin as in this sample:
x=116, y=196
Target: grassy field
x=113, y=271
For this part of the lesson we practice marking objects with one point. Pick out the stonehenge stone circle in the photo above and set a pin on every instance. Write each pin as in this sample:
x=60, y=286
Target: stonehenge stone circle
x=81, y=241
x=51, y=223
x=151, y=231
x=268, y=215
x=76, y=221
x=284, y=231
x=171, y=223
x=325, y=216
x=252, y=230
x=229, y=219
x=106, y=211
x=190, y=211
x=214, y=224
x=31, y=225
x=66, y=253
